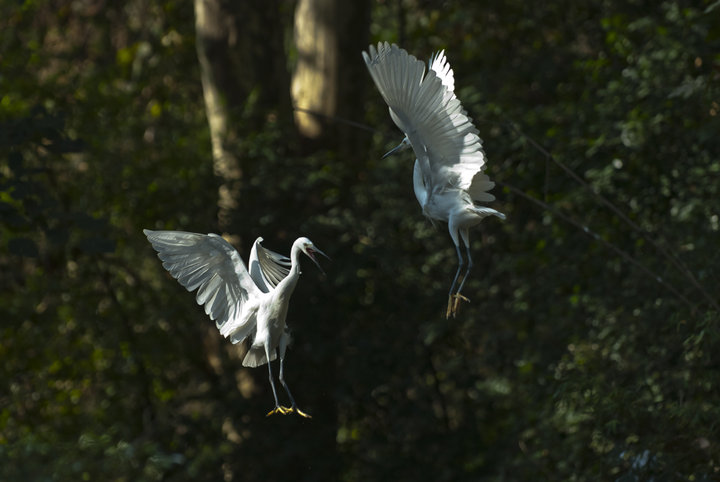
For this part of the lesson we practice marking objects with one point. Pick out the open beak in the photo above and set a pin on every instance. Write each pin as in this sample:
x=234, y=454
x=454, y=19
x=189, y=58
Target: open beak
x=311, y=254
x=393, y=150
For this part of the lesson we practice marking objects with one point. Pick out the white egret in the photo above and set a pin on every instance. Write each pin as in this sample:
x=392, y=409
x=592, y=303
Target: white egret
x=448, y=176
x=243, y=304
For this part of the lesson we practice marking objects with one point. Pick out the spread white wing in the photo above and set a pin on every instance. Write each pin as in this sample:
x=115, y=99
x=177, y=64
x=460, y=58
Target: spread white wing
x=425, y=108
x=481, y=183
x=439, y=64
x=211, y=265
x=267, y=268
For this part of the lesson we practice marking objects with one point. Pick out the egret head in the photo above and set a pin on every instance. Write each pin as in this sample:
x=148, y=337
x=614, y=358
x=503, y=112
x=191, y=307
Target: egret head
x=307, y=247
x=404, y=145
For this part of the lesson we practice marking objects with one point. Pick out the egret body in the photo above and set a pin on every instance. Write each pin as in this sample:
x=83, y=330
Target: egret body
x=243, y=305
x=448, y=177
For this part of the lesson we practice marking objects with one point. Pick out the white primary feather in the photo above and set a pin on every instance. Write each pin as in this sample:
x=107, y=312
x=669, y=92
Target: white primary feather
x=439, y=64
x=423, y=105
x=267, y=268
x=211, y=265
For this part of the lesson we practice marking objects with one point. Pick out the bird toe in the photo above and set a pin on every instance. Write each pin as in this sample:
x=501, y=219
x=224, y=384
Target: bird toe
x=457, y=297
x=279, y=409
x=300, y=412
x=450, y=309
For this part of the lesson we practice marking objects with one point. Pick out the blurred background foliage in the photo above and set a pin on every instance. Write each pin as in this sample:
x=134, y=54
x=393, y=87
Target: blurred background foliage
x=590, y=350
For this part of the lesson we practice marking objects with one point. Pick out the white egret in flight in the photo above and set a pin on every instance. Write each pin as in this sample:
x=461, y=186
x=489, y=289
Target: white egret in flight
x=448, y=176
x=243, y=304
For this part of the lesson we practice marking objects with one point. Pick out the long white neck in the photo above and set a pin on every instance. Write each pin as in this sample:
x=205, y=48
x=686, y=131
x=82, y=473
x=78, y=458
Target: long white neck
x=419, y=185
x=287, y=285
x=295, y=252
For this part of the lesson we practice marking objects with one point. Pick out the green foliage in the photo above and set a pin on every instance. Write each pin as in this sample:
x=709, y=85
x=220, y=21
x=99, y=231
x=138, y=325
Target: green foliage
x=570, y=363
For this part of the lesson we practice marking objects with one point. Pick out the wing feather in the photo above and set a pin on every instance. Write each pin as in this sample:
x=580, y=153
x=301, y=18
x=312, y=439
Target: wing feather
x=211, y=265
x=424, y=106
x=267, y=268
x=438, y=63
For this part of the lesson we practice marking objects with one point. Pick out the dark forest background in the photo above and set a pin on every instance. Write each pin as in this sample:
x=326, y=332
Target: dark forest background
x=590, y=349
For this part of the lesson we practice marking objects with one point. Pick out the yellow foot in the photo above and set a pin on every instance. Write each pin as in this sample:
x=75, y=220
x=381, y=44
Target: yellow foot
x=450, y=307
x=456, y=302
x=299, y=412
x=279, y=409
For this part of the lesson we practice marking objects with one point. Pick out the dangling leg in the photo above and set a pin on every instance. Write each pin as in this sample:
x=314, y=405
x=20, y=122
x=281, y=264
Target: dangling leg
x=461, y=263
x=284, y=342
x=466, y=240
x=278, y=408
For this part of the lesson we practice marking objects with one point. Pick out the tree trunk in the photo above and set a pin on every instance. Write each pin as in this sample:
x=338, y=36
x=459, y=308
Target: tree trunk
x=314, y=83
x=328, y=78
x=245, y=85
x=240, y=49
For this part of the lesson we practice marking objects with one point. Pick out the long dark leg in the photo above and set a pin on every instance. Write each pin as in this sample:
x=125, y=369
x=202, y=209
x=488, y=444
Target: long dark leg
x=282, y=380
x=283, y=346
x=451, y=293
x=466, y=240
x=277, y=408
x=461, y=265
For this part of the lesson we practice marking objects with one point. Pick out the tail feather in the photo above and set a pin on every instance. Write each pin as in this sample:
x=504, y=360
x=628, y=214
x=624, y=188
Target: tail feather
x=256, y=357
x=485, y=212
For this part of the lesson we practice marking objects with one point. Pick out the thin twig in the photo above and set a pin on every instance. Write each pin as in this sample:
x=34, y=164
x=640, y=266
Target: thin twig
x=674, y=260
x=624, y=254
x=339, y=120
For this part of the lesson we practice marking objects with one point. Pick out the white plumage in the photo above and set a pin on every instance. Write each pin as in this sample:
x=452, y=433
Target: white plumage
x=448, y=176
x=243, y=304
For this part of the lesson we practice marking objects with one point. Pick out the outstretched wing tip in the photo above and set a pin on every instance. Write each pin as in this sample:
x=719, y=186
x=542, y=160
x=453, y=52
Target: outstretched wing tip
x=210, y=265
x=423, y=105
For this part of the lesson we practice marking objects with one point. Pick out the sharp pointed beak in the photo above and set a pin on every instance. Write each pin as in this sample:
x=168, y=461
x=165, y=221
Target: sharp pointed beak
x=311, y=255
x=393, y=150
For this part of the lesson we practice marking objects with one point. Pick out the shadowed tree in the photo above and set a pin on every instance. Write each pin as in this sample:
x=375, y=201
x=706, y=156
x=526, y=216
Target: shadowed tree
x=328, y=80
x=245, y=84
